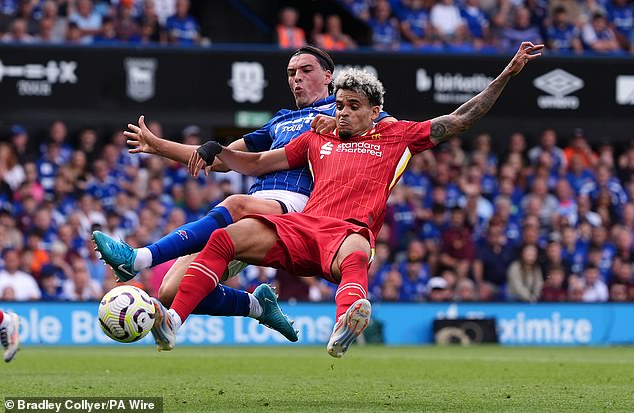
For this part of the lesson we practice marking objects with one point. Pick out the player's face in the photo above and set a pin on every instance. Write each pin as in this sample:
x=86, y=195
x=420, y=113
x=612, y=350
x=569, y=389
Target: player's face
x=355, y=114
x=307, y=79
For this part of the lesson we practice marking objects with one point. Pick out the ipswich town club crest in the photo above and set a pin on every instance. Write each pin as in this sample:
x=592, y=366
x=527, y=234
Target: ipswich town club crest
x=140, y=79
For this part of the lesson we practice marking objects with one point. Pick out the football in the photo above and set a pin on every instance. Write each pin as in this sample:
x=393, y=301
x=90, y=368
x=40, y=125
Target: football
x=126, y=314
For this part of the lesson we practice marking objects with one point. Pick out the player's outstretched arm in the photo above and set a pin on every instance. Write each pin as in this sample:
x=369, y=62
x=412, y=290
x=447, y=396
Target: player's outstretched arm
x=247, y=163
x=143, y=140
x=463, y=118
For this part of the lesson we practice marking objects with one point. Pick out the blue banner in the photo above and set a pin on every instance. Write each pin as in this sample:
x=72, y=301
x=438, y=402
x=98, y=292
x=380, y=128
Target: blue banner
x=403, y=324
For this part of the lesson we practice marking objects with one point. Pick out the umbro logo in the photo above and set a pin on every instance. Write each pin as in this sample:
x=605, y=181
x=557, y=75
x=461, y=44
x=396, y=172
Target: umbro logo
x=326, y=149
x=559, y=84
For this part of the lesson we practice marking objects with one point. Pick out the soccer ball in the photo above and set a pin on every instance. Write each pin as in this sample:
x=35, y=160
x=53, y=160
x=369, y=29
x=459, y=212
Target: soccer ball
x=126, y=314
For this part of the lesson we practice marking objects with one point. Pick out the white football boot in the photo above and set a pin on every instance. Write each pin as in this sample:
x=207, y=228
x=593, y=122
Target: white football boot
x=349, y=326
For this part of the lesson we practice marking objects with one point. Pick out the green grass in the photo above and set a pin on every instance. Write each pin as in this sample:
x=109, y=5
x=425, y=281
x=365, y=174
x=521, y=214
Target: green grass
x=367, y=379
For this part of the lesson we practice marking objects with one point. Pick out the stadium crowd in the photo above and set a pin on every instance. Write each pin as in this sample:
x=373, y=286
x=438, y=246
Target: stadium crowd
x=549, y=222
x=599, y=26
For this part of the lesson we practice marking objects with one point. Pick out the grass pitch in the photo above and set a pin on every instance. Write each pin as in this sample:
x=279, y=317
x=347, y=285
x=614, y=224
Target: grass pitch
x=304, y=379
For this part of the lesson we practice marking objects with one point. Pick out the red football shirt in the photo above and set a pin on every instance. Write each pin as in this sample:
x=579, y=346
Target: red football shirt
x=354, y=177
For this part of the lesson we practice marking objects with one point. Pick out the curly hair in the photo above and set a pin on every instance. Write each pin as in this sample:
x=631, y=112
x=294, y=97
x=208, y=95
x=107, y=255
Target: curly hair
x=360, y=81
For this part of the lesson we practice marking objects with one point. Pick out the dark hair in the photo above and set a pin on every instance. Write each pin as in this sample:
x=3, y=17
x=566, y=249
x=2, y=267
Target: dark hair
x=324, y=59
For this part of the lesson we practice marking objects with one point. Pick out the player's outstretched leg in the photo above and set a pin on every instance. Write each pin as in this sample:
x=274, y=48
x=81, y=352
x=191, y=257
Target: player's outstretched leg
x=9, y=334
x=349, y=326
x=272, y=315
x=119, y=255
x=164, y=329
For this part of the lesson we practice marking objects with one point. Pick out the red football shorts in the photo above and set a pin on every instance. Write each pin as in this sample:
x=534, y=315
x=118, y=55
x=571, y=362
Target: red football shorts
x=307, y=245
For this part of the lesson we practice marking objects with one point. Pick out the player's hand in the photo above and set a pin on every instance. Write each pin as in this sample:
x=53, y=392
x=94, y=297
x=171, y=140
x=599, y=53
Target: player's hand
x=141, y=139
x=203, y=157
x=527, y=52
x=323, y=124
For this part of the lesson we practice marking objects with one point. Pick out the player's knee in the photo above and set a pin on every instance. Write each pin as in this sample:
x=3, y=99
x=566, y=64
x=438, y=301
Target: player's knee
x=236, y=205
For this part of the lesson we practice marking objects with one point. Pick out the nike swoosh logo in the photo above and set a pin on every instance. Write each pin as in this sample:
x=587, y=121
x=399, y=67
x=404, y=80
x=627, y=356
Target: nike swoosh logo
x=123, y=270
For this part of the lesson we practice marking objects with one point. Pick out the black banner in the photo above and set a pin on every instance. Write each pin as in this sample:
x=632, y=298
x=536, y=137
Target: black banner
x=210, y=86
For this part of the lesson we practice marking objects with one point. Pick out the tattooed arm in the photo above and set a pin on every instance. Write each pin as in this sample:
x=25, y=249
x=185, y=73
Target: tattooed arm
x=457, y=122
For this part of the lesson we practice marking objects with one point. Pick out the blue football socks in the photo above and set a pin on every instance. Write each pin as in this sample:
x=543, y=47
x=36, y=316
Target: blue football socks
x=224, y=301
x=189, y=238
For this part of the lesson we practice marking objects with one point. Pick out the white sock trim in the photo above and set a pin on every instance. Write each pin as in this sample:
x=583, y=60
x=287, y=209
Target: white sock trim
x=176, y=319
x=255, y=309
x=143, y=259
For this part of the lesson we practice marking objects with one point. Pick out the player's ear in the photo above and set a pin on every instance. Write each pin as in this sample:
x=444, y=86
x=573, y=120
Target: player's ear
x=376, y=111
x=328, y=77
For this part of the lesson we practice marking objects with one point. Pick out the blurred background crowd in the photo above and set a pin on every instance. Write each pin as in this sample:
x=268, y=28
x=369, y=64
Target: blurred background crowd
x=540, y=218
x=488, y=26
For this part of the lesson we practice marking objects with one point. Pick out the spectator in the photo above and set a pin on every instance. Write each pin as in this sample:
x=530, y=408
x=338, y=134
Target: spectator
x=567, y=205
x=103, y=186
x=622, y=274
x=594, y=289
x=465, y=290
x=18, y=33
x=87, y=20
x=10, y=235
x=548, y=143
x=561, y=34
x=11, y=172
x=579, y=147
x=107, y=34
x=88, y=143
x=605, y=181
x=502, y=15
x=51, y=287
x=598, y=37
x=599, y=239
x=493, y=259
x=384, y=27
x=58, y=24
x=415, y=24
x=182, y=28
x=151, y=24
x=447, y=23
x=458, y=248
x=317, y=28
x=477, y=23
x=25, y=11
x=79, y=286
x=438, y=290
x=359, y=8
x=126, y=24
x=289, y=35
x=334, y=38
x=618, y=293
x=22, y=285
x=415, y=273
x=540, y=202
x=623, y=243
x=57, y=137
x=391, y=287
x=621, y=19
x=74, y=34
x=554, y=290
x=521, y=30
x=524, y=276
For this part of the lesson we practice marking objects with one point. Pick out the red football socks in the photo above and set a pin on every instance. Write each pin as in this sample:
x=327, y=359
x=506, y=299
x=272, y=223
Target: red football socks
x=354, y=281
x=204, y=273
